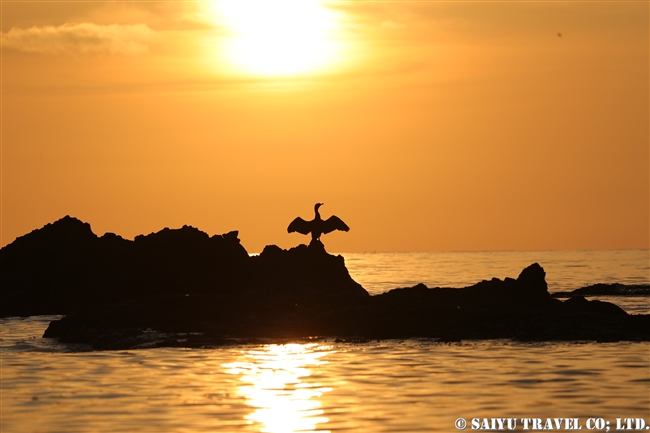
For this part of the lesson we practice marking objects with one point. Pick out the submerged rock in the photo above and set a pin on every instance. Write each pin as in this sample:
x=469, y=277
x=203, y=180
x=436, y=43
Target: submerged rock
x=181, y=287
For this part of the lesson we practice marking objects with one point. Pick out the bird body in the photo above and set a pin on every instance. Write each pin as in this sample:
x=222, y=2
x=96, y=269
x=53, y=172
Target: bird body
x=317, y=226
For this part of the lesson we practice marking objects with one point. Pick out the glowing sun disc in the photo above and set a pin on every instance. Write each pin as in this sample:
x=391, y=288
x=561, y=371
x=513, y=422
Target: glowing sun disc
x=277, y=37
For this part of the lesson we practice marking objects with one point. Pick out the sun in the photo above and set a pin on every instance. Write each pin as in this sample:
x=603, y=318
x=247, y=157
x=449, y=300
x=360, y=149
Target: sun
x=277, y=37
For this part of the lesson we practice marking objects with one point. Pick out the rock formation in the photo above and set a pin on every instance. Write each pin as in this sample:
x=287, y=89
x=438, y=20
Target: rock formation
x=64, y=266
x=600, y=289
x=184, y=288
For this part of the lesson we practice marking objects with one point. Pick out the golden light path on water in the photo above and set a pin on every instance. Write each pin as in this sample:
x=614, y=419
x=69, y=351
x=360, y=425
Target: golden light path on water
x=275, y=382
x=277, y=38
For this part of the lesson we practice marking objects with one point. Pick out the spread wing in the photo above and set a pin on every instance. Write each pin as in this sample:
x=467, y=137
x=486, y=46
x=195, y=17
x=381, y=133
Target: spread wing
x=333, y=223
x=300, y=225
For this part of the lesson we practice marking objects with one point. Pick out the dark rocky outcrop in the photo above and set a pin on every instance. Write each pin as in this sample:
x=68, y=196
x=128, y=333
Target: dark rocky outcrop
x=184, y=288
x=601, y=289
x=64, y=266
x=512, y=308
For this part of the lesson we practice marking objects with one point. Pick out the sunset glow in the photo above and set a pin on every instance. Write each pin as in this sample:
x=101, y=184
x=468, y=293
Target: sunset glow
x=277, y=38
x=425, y=126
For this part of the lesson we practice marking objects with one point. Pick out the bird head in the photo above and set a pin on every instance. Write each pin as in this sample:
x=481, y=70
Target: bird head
x=317, y=205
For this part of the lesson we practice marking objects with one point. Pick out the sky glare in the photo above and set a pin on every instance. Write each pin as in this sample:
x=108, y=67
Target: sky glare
x=424, y=125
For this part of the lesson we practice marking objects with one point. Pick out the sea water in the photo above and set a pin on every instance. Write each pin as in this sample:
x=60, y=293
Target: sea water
x=414, y=385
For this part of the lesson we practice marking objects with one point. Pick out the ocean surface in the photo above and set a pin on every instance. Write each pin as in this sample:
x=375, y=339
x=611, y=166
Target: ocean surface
x=326, y=385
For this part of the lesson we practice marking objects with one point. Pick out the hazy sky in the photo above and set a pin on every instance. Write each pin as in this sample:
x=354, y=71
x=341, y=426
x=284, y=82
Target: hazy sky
x=425, y=126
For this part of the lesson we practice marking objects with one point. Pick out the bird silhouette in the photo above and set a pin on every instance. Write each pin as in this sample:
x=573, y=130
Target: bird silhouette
x=317, y=226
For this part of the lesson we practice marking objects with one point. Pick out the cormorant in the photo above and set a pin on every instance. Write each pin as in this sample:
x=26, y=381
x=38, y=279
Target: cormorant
x=317, y=226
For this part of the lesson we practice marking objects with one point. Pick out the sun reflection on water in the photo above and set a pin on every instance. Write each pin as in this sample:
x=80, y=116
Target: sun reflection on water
x=278, y=384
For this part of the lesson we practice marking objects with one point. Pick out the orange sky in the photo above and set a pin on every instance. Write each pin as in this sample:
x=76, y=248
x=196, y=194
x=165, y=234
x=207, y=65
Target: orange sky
x=425, y=126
